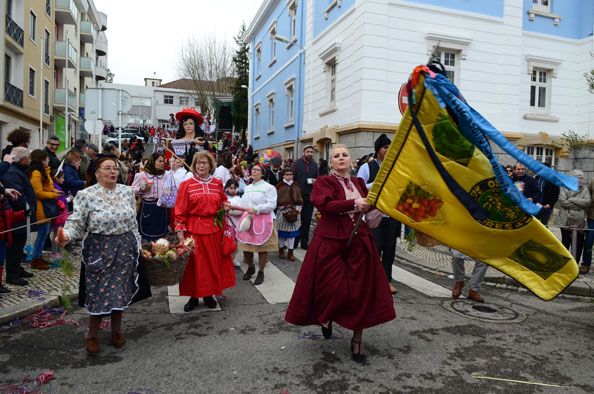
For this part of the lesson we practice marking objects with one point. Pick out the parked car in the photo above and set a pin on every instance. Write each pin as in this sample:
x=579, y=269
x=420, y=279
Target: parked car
x=113, y=137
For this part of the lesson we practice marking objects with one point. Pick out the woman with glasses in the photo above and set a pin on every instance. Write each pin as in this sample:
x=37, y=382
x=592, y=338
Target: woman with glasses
x=198, y=202
x=509, y=170
x=105, y=213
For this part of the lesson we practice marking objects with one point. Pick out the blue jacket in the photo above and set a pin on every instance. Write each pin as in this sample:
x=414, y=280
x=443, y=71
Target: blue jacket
x=17, y=178
x=72, y=182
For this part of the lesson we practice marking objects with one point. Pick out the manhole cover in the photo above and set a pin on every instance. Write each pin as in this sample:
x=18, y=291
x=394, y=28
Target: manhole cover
x=489, y=313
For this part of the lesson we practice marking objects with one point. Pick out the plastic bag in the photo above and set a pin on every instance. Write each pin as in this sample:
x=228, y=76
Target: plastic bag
x=169, y=195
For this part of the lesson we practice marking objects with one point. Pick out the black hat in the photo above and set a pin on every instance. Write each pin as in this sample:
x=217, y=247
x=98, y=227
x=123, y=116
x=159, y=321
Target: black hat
x=276, y=161
x=381, y=141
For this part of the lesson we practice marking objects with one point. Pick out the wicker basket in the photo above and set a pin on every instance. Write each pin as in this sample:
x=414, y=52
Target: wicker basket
x=425, y=240
x=159, y=275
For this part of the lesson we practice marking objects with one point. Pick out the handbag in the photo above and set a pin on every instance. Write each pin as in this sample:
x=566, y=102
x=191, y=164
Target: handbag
x=228, y=245
x=291, y=214
x=50, y=208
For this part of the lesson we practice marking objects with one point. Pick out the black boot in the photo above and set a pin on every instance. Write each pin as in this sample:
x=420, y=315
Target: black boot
x=191, y=304
x=210, y=302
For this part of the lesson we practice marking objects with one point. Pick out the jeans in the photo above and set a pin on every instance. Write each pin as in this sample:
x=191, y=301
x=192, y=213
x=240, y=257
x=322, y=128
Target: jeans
x=587, y=259
x=42, y=233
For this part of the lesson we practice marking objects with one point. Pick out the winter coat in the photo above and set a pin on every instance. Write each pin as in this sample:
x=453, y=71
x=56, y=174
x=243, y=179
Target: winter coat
x=572, y=207
x=72, y=182
x=16, y=178
x=43, y=191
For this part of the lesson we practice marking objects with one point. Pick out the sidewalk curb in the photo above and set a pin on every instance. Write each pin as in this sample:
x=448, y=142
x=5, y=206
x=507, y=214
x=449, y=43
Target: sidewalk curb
x=28, y=308
x=493, y=276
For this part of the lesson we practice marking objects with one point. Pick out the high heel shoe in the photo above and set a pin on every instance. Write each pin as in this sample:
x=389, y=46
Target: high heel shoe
x=358, y=357
x=327, y=332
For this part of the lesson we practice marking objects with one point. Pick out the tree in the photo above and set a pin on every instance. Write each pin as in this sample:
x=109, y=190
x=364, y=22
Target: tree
x=207, y=63
x=109, y=77
x=241, y=62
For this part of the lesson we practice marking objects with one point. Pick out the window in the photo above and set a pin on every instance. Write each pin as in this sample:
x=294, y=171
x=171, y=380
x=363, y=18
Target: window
x=271, y=111
x=290, y=92
x=543, y=8
x=46, y=48
x=31, y=82
x=168, y=99
x=183, y=100
x=541, y=5
x=33, y=26
x=272, y=30
x=46, y=96
x=538, y=91
x=292, y=5
x=257, y=121
x=258, y=60
x=332, y=75
x=329, y=58
x=7, y=68
x=449, y=59
x=48, y=7
x=541, y=153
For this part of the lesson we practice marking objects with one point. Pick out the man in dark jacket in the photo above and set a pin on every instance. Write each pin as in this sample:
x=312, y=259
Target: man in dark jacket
x=273, y=171
x=305, y=172
x=526, y=183
x=51, y=147
x=17, y=178
x=549, y=196
x=80, y=148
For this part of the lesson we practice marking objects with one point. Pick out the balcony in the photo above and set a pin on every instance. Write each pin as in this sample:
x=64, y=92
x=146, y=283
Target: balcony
x=14, y=31
x=81, y=100
x=86, y=67
x=101, y=45
x=100, y=71
x=66, y=12
x=60, y=99
x=87, y=34
x=60, y=55
x=13, y=95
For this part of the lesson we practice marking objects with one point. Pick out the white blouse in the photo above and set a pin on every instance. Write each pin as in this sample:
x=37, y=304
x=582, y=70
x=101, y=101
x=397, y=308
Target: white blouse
x=261, y=196
x=101, y=211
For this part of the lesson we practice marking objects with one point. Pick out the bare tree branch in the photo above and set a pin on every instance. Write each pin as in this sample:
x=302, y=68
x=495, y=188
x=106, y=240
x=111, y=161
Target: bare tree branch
x=207, y=63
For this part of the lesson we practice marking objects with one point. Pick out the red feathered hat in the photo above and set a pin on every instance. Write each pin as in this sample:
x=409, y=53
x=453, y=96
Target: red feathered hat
x=190, y=112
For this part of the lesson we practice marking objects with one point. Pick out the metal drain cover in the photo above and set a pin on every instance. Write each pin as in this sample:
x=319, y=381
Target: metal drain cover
x=489, y=313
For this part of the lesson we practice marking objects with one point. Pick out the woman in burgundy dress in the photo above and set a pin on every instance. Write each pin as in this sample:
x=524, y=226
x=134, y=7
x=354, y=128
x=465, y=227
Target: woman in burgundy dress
x=341, y=284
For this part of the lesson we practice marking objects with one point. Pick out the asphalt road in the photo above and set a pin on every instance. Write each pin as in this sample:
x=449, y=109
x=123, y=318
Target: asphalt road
x=431, y=347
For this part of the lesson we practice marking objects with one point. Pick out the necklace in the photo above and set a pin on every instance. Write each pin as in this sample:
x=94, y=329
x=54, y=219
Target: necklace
x=110, y=201
x=345, y=181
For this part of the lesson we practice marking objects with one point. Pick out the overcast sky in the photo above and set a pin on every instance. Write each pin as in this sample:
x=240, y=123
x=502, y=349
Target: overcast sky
x=144, y=36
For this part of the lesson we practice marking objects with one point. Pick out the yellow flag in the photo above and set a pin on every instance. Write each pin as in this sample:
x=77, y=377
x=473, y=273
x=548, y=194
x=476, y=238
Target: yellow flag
x=410, y=188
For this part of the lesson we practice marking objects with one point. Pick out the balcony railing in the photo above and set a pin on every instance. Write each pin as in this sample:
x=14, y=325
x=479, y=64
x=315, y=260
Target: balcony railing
x=60, y=54
x=87, y=33
x=60, y=98
x=66, y=12
x=13, y=95
x=14, y=31
x=81, y=100
x=86, y=67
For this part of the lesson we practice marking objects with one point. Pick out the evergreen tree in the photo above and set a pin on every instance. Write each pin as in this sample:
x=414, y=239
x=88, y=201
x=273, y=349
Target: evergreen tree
x=241, y=63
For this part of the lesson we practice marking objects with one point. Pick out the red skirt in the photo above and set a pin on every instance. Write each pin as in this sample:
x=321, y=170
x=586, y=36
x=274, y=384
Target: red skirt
x=346, y=286
x=208, y=272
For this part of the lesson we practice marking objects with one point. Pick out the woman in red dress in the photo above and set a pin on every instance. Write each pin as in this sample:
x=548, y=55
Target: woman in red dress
x=198, y=201
x=341, y=284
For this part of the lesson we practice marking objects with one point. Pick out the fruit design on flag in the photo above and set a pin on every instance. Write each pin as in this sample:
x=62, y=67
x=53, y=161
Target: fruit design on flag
x=418, y=204
x=450, y=142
